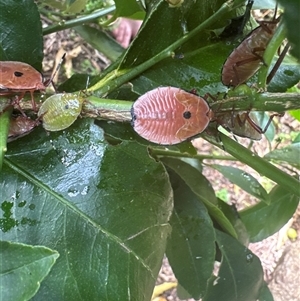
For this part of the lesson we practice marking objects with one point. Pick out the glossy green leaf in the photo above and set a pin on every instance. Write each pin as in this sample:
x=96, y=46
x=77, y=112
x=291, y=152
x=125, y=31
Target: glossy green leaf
x=194, y=69
x=202, y=188
x=125, y=132
x=292, y=21
x=163, y=26
x=289, y=154
x=75, y=83
x=21, y=32
x=101, y=41
x=191, y=246
x=244, y=180
x=26, y=265
x=240, y=276
x=72, y=191
x=262, y=220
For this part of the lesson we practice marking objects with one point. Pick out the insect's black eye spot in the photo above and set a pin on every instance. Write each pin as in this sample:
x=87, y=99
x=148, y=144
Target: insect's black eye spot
x=187, y=115
x=18, y=74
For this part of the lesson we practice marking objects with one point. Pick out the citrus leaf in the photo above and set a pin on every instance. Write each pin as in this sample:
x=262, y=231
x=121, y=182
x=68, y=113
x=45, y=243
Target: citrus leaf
x=21, y=32
x=26, y=265
x=244, y=180
x=191, y=246
x=203, y=189
x=263, y=220
x=72, y=191
x=240, y=271
x=289, y=154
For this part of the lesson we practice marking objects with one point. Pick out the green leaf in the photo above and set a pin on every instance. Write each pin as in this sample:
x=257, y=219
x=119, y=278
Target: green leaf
x=260, y=165
x=240, y=276
x=265, y=294
x=128, y=8
x=292, y=21
x=297, y=139
x=191, y=246
x=295, y=114
x=75, y=83
x=21, y=32
x=101, y=41
x=23, y=268
x=163, y=26
x=233, y=216
x=244, y=180
x=75, y=6
x=72, y=191
x=289, y=154
x=194, y=69
x=263, y=220
x=286, y=76
x=125, y=132
x=202, y=188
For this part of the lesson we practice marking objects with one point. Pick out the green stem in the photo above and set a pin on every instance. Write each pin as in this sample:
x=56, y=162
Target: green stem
x=79, y=21
x=257, y=163
x=116, y=78
x=169, y=153
x=269, y=54
x=119, y=110
x=4, y=128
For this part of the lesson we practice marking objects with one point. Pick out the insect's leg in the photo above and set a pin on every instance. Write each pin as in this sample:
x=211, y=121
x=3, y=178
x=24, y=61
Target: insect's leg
x=16, y=102
x=278, y=63
x=270, y=120
x=33, y=101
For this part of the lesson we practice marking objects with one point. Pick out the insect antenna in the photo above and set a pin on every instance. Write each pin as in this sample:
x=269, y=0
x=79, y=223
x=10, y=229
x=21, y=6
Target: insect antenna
x=50, y=80
x=278, y=63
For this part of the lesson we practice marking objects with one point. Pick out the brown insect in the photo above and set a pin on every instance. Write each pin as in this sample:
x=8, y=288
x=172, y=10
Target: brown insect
x=244, y=124
x=21, y=126
x=170, y=115
x=19, y=77
x=245, y=60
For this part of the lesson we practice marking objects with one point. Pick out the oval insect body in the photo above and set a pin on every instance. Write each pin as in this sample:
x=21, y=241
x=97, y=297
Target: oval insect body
x=59, y=111
x=170, y=115
x=19, y=77
x=245, y=60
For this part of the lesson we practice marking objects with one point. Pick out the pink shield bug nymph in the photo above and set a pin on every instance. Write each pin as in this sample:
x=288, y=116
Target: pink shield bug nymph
x=170, y=115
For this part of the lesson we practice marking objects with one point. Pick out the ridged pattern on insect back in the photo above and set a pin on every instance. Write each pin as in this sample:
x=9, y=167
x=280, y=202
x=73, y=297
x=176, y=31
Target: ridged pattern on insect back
x=242, y=63
x=158, y=115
